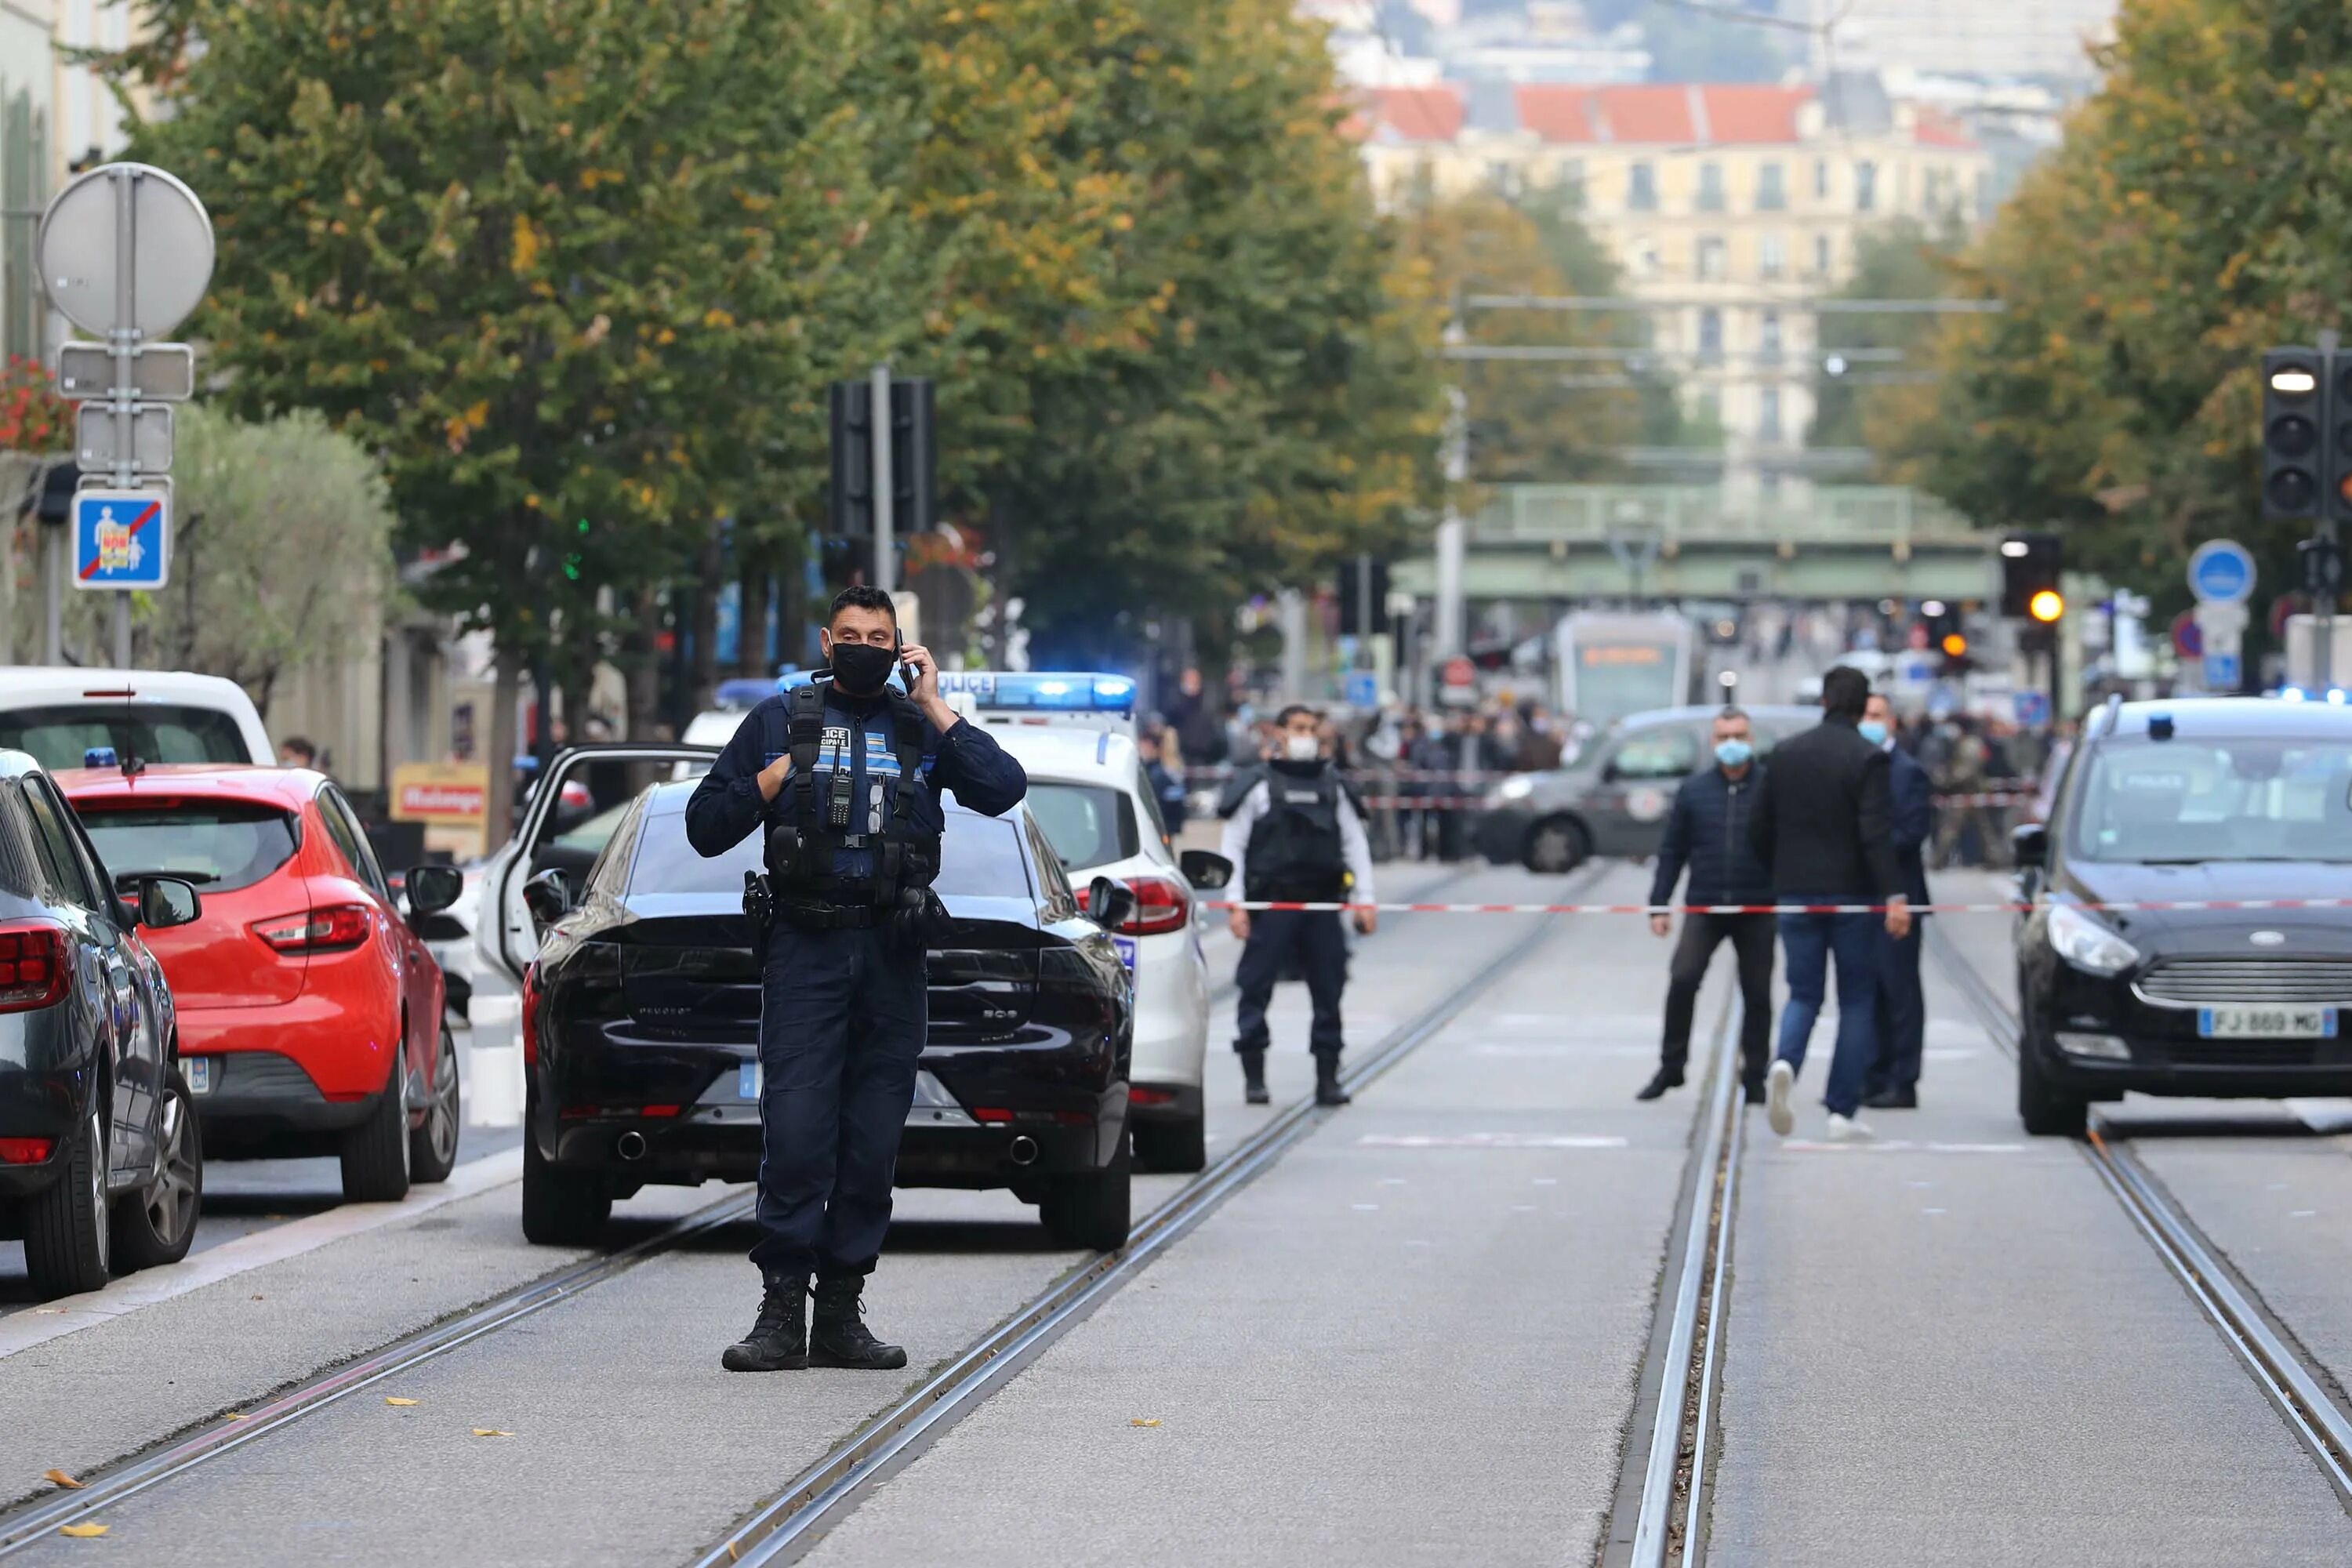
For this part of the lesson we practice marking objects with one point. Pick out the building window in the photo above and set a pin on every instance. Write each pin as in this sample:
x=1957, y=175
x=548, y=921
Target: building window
x=1567, y=179
x=1645, y=255
x=1821, y=179
x=1711, y=256
x=1503, y=178
x=1865, y=186
x=1710, y=334
x=1768, y=414
x=1710, y=188
x=1642, y=193
x=1771, y=192
x=1772, y=256
x=1769, y=335
x=1820, y=256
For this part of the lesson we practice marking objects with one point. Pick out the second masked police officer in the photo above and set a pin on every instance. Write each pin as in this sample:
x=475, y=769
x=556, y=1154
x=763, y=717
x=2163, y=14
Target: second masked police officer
x=842, y=777
x=1296, y=837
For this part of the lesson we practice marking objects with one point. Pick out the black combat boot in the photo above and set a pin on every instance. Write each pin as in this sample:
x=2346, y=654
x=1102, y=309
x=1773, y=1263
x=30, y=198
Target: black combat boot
x=778, y=1337
x=839, y=1336
x=1253, y=1077
x=1327, y=1081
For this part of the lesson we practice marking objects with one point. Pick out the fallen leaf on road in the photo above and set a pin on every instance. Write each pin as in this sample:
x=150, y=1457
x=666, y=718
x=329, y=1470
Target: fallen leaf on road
x=395, y=1399
x=232, y=1416
x=48, y=1312
x=81, y=1531
x=1145, y=1421
x=490, y=1432
x=61, y=1478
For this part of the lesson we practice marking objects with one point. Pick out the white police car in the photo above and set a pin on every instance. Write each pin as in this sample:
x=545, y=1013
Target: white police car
x=1072, y=731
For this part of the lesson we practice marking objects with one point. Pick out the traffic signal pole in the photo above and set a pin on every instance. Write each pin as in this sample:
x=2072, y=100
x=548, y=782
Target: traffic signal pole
x=886, y=559
x=2323, y=532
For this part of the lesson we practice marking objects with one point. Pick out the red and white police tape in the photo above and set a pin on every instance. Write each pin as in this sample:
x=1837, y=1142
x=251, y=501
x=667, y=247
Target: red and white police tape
x=2011, y=908
x=1479, y=803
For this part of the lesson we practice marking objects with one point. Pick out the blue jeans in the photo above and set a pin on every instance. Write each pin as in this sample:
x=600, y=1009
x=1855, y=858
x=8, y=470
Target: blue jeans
x=1807, y=941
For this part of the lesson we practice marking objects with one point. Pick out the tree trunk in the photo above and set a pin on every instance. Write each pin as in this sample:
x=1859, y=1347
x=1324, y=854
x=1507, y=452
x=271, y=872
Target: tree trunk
x=506, y=691
x=704, y=675
x=751, y=622
x=645, y=668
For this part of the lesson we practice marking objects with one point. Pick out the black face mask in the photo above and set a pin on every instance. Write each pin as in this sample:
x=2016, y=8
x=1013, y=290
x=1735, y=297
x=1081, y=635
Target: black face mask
x=860, y=668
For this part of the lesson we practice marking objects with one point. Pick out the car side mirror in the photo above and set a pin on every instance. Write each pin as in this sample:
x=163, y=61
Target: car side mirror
x=1109, y=904
x=2029, y=844
x=1206, y=869
x=548, y=896
x=167, y=902
x=432, y=889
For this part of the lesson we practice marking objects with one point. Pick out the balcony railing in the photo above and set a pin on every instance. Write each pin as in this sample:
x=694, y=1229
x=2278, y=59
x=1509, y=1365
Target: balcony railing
x=1826, y=514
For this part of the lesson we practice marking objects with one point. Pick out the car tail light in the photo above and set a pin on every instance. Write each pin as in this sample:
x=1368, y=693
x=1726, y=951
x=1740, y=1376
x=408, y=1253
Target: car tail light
x=994, y=1116
x=333, y=929
x=1161, y=904
x=23, y=1150
x=33, y=965
x=530, y=1017
x=1150, y=1097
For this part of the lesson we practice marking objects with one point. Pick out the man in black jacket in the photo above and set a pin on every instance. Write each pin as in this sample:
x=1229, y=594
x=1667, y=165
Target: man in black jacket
x=1902, y=1020
x=1707, y=830
x=1822, y=826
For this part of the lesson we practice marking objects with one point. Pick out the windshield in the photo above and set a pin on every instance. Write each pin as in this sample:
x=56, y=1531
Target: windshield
x=2185, y=802
x=1614, y=680
x=219, y=845
x=62, y=736
x=980, y=859
x=1087, y=824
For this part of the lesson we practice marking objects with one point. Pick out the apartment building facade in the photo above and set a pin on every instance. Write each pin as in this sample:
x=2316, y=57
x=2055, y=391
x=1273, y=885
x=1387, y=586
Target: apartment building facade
x=1728, y=207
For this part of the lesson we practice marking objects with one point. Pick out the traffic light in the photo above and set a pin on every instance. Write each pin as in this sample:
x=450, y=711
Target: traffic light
x=1363, y=596
x=1955, y=645
x=850, y=502
x=2294, y=413
x=2030, y=567
x=914, y=459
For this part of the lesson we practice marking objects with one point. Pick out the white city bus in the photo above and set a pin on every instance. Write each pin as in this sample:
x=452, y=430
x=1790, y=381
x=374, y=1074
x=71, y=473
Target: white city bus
x=1614, y=663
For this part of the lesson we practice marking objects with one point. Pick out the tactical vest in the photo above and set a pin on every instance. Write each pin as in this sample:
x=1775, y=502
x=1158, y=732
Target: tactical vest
x=835, y=847
x=1295, y=854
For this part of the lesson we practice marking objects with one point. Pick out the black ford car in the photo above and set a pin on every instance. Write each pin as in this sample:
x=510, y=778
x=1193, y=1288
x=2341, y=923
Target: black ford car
x=2198, y=802
x=641, y=1021
x=101, y=1166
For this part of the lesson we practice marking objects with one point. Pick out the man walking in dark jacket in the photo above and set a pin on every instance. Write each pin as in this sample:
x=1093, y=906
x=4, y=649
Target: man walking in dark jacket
x=1902, y=1013
x=1820, y=826
x=1707, y=830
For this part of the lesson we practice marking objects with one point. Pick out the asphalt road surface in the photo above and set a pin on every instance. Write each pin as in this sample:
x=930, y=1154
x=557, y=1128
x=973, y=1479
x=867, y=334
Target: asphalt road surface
x=1420, y=1336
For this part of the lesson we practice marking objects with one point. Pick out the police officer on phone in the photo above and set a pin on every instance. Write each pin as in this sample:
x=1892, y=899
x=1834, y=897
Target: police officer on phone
x=842, y=776
x=1297, y=836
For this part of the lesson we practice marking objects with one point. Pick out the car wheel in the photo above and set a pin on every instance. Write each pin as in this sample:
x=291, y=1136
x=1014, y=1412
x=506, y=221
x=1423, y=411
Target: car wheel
x=154, y=1226
x=559, y=1208
x=375, y=1152
x=2047, y=1110
x=1557, y=844
x=1181, y=1146
x=68, y=1240
x=433, y=1146
x=1091, y=1211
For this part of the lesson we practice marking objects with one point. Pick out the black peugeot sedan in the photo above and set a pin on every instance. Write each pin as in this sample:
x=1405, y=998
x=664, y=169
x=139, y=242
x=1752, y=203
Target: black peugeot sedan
x=2163, y=951
x=640, y=1020
x=101, y=1166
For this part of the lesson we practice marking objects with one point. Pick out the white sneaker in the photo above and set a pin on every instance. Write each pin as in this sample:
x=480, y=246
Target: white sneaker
x=1846, y=1130
x=1778, y=1085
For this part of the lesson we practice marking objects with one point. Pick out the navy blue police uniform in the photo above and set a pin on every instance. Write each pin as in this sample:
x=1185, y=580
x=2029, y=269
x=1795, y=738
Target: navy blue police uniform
x=844, y=1004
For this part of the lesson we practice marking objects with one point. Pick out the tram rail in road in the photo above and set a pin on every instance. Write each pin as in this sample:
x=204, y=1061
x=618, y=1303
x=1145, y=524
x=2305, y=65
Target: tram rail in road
x=785, y=1524
x=789, y=1525
x=2263, y=1342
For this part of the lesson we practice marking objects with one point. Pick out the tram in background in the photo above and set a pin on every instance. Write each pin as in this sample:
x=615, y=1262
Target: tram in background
x=1609, y=663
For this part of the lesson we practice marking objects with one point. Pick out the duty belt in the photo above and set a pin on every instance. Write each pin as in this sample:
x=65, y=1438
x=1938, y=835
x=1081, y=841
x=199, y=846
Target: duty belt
x=828, y=916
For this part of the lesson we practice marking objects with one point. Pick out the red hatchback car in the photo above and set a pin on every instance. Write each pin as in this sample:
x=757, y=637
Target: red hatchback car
x=310, y=1015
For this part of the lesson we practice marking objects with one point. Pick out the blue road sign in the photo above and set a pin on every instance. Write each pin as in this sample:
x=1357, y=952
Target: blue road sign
x=2033, y=709
x=2222, y=571
x=2222, y=672
x=121, y=539
x=1361, y=689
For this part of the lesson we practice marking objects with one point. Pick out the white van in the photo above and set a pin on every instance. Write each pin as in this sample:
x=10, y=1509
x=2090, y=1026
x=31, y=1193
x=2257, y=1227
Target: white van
x=60, y=714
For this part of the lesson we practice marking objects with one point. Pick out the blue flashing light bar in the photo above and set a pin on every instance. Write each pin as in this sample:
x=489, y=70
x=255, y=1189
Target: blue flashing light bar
x=99, y=757
x=1041, y=691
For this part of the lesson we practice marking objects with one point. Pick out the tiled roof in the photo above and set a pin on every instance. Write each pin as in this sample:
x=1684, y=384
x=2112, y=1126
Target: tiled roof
x=1940, y=131
x=1666, y=114
x=1417, y=113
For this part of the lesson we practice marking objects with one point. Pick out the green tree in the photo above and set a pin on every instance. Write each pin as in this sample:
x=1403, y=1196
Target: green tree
x=2190, y=220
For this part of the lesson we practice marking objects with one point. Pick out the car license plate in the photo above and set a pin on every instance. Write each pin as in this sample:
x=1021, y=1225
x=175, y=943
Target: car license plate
x=1126, y=945
x=2266, y=1023
x=198, y=1071
x=747, y=1081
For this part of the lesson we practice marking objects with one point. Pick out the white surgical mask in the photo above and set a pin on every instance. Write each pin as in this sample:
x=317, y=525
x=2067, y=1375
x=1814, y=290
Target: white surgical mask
x=1301, y=748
